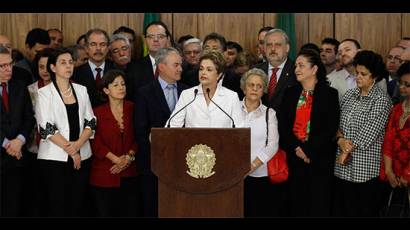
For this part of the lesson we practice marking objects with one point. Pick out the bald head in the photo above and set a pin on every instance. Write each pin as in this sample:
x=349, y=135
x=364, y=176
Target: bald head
x=5, y=41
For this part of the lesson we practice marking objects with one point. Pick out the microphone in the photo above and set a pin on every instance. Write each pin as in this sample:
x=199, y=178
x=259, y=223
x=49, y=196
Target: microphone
x=233, y=123
x=169, y=121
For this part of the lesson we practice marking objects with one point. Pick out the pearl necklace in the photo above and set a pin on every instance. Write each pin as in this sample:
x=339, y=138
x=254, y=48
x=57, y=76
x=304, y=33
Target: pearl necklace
x=67, y=93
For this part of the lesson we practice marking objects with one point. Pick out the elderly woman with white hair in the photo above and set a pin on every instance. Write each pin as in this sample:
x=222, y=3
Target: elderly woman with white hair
x=264, y=143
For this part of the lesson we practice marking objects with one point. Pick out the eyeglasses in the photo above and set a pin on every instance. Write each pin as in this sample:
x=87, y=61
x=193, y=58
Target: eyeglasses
x=394, y=58
x=261, y=42
x=156, y=36
x=404, y=84
x=6, y=65
x=253, y=85
x=117, y=50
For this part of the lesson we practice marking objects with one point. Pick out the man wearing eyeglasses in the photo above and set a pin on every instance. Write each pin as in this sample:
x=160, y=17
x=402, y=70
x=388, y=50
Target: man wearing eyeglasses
x=191, y=51
x=393, y=62
x=157, y=36
x=17, y=121
x=120, y=50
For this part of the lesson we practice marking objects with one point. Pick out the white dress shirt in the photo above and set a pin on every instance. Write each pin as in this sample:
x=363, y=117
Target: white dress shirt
x=93, y=67
x=200, y=115
x=257, y=122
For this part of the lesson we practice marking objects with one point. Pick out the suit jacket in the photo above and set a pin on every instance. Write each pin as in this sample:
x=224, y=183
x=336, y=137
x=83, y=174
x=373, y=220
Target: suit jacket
x=23, y=75
x=83, y=75
x=151, y=110
x=286, y=80
x=108, y=138
x=19, y=120
x=51, y=115
x=130, y=78
x=142, y=73
x=324, y=123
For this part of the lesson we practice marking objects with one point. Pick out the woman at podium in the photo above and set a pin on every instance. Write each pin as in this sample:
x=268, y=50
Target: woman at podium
x=209, y=104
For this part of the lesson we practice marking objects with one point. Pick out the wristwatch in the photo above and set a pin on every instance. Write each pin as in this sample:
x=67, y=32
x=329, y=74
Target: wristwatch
x=130, y=157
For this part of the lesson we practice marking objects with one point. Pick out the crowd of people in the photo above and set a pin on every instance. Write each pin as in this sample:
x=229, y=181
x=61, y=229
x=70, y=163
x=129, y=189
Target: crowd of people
x=76, y=120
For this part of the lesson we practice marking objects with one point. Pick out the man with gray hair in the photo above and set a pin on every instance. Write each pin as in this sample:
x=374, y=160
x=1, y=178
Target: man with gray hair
x=120, y=50
x=279, y=67
x=191, y=50
x=154, y=104
x=90, y=73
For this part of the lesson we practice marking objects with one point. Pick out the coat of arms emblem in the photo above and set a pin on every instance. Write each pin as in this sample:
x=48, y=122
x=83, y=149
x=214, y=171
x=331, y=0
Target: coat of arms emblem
x=200, y=160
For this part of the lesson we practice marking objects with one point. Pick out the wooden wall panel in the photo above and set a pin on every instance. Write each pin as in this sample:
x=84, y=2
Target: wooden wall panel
x=302, y=29
x=185, y=23
x=320, y=26
x=405, y=25
x=49, y=21
x=84, y=22
x=270, y=19
x=239, y=27
x=136, y=22
x=17, y=27
x=374, y=31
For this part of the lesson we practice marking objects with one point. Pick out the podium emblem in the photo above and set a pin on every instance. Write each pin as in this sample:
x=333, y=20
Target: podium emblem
x=200, y=160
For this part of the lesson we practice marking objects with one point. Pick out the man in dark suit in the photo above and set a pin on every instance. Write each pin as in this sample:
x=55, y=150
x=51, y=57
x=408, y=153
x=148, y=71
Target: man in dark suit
x=157, y=36
x=153, y=106
x=279, y=68
x=90, y=73
x=17, y=121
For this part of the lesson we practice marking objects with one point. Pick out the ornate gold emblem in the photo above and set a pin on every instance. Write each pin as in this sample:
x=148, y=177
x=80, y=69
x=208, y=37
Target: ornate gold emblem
x=200, y=160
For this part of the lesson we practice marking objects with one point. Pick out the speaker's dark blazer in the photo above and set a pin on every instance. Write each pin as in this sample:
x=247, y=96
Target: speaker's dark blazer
x=151, y=110
x=286, y=80
x=83, y=75
x=19, y=120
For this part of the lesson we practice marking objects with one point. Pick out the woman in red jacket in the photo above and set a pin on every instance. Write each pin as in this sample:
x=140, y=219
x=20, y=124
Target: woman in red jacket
x=113, y=171
x=396, y=146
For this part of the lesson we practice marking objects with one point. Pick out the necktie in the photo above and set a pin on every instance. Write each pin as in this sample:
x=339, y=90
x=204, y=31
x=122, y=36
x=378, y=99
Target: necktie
x=98, y=76
x=272, y=83
x=156, y=74
x=171, y=97
x=5, y=96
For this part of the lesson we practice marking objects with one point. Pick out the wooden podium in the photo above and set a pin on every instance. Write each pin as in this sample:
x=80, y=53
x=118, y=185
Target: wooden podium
x=181, y=194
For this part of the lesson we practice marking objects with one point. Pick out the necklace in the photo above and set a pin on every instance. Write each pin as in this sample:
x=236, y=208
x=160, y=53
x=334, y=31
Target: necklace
x=67, y=93
x=405, y=115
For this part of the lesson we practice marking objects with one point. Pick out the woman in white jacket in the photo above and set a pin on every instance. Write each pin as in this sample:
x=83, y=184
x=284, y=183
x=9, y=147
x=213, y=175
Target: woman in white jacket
x=209, y=94
x=66, y=123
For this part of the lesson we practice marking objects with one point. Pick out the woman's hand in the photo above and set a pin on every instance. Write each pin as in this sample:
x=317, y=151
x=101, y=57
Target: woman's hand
x=346, y=146
x=299, y=152
x=120, y=164
x=77, y=160
x=393, y=180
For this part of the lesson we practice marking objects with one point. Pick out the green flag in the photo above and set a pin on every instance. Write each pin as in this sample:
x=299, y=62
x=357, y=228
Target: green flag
x=148, y=18
x=286, y=22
